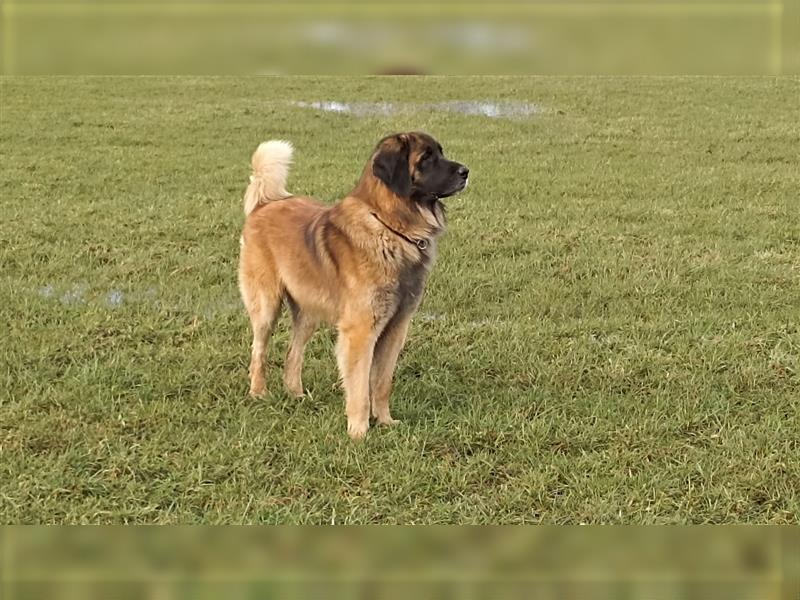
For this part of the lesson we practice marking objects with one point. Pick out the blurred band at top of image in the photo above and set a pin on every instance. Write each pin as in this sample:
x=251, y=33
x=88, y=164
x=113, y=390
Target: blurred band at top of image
x=248, y=37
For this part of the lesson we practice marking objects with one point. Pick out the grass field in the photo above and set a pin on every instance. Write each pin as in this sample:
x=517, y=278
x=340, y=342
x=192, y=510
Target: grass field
x=610, y=335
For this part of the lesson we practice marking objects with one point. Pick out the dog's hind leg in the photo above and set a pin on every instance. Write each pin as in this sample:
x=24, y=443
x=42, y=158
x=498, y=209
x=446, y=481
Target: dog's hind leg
x=303, y=327
x=262, y=294
x=263, y=313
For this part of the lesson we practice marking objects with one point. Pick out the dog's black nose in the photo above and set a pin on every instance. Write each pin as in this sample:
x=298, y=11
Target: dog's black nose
x=463, y=171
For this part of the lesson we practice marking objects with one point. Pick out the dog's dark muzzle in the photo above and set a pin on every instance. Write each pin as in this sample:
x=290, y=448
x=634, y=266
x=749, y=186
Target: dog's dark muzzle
x=458, y=180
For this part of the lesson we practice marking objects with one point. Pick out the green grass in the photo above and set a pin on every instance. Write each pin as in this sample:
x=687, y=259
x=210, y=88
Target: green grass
x=610, y=335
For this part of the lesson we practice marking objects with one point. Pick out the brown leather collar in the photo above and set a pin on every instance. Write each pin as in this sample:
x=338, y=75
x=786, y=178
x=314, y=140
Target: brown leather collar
x=420, y=243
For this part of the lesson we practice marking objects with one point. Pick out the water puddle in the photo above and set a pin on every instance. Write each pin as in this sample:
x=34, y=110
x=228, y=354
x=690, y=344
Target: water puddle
x=471, y=108
x=80, y=295
x=357, y=109
x=431, y=317
x=114, y=298
x=492, y=110
x=74, y=294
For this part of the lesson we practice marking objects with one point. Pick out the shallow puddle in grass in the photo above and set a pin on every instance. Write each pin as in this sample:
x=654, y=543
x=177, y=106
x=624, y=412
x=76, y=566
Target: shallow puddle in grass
x=81, y=294
x=489, y=109
x=114, y=298
x=472, y=108
x=72, y=294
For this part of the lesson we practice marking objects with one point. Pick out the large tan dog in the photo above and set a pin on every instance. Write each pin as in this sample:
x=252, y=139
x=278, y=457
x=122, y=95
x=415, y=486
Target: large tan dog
x=360, y=265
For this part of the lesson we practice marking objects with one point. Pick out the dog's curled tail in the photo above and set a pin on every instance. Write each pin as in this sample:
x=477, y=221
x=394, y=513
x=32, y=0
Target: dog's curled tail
x=270, y=164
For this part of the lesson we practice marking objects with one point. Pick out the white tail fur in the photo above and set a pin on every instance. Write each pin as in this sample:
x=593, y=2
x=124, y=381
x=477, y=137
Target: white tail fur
x=270, y=164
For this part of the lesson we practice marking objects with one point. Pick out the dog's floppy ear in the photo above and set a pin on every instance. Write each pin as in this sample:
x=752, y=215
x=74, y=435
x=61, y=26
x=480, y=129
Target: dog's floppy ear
x=390, y=165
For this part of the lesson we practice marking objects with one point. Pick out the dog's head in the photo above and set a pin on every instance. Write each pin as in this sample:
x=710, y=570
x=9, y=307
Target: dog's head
x=412, y=165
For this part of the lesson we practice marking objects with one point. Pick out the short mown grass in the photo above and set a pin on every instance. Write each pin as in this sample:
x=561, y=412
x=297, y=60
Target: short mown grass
x=611, y=334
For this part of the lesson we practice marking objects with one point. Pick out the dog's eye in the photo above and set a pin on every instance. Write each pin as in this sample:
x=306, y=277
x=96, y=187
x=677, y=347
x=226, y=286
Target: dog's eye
x=425, y=158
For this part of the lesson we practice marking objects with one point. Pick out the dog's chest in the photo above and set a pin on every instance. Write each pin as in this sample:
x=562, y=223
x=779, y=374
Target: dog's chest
x=410, y=285
x=402, y=294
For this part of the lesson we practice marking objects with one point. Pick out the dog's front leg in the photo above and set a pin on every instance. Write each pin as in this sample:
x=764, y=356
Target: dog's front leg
x=354, y=350
x=387, y=350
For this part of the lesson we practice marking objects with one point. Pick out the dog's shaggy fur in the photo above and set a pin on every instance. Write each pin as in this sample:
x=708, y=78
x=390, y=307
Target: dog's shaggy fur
x=360, y=265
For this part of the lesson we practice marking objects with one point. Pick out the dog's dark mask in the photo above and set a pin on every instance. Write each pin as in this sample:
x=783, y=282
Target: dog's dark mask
x=413, y=166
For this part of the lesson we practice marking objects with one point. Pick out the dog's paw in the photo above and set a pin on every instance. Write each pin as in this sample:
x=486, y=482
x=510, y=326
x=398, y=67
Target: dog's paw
x=295, y=392
x=257, y=391
x=390, y=422
x=357, y=431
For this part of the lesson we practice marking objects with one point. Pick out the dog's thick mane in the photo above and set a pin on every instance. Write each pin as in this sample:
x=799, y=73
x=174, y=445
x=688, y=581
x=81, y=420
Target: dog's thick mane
x=414, y=219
